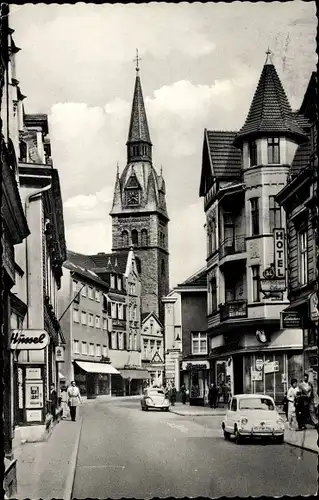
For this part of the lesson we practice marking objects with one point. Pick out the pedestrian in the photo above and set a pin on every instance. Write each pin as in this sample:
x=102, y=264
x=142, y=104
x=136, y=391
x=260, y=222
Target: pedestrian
x=303, y=399
x=183, y=393
x=74, y=399
x=64, y=401
x=291, y=397
x=212, y=395
x=173, y=394
x=285, y=405
x=54, y=401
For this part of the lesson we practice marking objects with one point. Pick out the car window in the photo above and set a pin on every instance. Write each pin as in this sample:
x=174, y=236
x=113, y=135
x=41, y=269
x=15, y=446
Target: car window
x=256, y=404
x=234, y=404
x=155, y=391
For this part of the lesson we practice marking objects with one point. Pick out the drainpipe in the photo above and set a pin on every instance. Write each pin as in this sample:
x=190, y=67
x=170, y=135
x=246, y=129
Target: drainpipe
x=27, y=204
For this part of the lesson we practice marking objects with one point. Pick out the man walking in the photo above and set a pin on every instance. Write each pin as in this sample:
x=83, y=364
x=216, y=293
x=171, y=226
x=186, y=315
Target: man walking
x=74, y=399
x=54, y=401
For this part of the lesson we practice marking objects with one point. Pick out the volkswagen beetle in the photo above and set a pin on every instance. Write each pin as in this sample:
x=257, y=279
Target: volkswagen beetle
x=154, y=398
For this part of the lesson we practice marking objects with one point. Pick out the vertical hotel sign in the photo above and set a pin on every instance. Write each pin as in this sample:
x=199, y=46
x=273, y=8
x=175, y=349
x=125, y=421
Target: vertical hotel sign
x=279, y=253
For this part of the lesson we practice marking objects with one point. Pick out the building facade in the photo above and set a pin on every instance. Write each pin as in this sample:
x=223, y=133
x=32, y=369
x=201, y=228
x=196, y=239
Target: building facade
x=152, y=343
x=102, y=324
x=299, y=198
x=242, y=172
x=139, y=213
x=14, y=231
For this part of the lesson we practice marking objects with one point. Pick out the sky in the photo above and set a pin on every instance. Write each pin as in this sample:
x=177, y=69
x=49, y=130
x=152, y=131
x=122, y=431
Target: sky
x=200, y=65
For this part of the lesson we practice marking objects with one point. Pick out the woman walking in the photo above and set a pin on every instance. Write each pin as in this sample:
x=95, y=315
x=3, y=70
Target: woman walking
x=74, y=399
x=291, y=397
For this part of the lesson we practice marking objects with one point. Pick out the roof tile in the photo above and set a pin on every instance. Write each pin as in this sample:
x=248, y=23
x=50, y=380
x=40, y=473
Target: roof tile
x=225, y=157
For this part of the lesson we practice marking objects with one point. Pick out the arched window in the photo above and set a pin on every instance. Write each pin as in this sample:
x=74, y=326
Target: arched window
x=163, y=268
x=144, y=238
x=134, y=235
x=124, y=239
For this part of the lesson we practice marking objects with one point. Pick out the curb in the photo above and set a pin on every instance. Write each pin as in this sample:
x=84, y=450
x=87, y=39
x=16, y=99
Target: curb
x=67, y=495
x=198, y=414
x=301, y=447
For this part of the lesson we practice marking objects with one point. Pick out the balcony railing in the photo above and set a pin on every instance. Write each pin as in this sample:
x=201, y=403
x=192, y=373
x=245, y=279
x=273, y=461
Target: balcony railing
x=233, y=309
x=232, y=245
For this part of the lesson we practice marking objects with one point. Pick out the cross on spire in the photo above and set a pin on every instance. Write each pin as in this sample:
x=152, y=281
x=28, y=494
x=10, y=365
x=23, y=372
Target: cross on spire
x=268, y=56
x=137, y=59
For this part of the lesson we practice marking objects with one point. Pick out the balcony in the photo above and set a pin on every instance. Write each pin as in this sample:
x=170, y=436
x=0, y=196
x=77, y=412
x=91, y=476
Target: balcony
x=233, y=309
x=232, y=245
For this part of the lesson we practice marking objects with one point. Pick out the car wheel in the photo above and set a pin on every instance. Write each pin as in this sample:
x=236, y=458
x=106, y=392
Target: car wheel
x=238, y=438
x=166, y=409
x=146, y=408
x=226, y=435
x=279, y=439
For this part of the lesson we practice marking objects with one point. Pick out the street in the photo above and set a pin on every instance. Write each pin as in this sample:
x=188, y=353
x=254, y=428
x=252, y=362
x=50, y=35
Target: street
x=125, y=452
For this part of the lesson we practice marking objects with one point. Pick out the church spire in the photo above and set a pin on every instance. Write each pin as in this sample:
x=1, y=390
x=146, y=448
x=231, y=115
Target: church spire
x=139, y=146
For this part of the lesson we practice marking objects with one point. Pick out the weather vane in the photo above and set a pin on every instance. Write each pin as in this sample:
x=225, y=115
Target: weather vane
x=268, y=54
x=137, y=60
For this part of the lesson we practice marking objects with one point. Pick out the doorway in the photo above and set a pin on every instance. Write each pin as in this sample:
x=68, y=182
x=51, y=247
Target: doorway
x=238, y=375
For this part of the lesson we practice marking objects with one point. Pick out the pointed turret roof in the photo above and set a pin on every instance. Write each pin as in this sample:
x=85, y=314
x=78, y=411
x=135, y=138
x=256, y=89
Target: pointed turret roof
x=270, y=111
x=138, y=130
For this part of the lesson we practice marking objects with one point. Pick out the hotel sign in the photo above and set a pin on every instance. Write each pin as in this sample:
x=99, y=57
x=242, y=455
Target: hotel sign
x=29, y=339
x=279, y=252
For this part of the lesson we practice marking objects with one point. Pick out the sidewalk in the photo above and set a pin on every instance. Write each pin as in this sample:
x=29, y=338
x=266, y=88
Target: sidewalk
x=46, y=469
x=308, y=439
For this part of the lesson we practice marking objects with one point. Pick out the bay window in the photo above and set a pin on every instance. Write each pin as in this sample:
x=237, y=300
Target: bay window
x=303, y=256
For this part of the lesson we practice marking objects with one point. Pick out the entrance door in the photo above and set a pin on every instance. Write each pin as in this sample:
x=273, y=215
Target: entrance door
x=238, y=375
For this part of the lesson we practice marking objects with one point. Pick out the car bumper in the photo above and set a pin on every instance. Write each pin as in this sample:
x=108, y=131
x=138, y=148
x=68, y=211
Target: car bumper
x=266, y=433
x=156, y=406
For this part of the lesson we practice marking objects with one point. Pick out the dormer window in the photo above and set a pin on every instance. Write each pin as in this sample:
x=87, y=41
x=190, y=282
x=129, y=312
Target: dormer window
x=273, y=150
x=112, y=281
x=253, y=153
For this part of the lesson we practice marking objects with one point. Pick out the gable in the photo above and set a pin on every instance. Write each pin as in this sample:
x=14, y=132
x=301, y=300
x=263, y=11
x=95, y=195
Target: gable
x=157, y=358
x=151, y=325
x=132, y=182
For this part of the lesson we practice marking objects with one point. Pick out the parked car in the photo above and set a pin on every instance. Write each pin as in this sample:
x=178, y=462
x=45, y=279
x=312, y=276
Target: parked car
x=253, y=415
x=154, y=398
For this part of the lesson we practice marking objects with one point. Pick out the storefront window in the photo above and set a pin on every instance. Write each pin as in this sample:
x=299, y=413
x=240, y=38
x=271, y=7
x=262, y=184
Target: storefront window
x=247, y=374
x=279, y=378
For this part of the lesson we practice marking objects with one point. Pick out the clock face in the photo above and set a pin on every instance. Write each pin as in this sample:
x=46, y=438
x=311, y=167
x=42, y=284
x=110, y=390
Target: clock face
x=132, y=197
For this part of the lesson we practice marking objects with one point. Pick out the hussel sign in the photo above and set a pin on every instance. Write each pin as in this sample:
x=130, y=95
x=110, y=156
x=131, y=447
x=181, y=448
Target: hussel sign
x=28, y=339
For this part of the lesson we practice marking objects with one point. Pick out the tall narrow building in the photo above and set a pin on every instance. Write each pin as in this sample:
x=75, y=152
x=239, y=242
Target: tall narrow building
x=139, y=214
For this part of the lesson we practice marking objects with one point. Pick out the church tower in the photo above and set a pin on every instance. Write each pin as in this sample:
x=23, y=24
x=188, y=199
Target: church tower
x=139, y=214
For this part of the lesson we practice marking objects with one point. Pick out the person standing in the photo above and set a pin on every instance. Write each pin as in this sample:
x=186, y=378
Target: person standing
x=183, y=393
x=212, y=395
x=291, y=397
x=74, y=399
x=173, y=394
x=54, y=401
x=64, y=400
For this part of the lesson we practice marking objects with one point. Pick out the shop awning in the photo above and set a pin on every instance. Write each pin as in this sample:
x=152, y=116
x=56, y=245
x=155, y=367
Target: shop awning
x=97, y=367
x=299, y=302
x=135, y=374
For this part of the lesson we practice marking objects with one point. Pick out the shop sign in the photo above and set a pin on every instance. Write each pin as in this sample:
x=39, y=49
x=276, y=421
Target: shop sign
x=259, y=364
x=279, y=244
x=195, y=365
x=59, y=354
x=290, y=319
x=34, y=415
x=314, y=313
x=256, y=375
x=29, y=339
x=273, y=285
x=33, y=373
x=271, y=366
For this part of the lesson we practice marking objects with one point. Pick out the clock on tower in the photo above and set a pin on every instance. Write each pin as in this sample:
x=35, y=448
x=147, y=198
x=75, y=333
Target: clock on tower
x=132, y=197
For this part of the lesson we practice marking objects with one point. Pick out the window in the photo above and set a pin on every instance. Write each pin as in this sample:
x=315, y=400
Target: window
x=120, y=311
x=274, y=214
x=104, y=323
x=90, y=292
x=91, y=319
x=84, y=348
x=303, y=257
x=121, y=340
x=256, y=283
x=91, y=349
x=135, y=313
x=98, y=350
x=76, y=349
x=119, y=283
x=130, y=343
x=113, y=340
x=253, y=153
x=134, y=237
x=83, y=317
x=158, y=345
x=254, y=202
x=97, y=296
x=104, y=351
x=135, y=342
x=152, y=343
x=113, y=310
x=144, y=238
x=213, y=292
x=145, y=348
x=75, y=286
x=83, y=291
x=76, y=316
x=273, y=150
x=124, y=239
x=199, y=343
x=97, y=322
x=113, y=281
